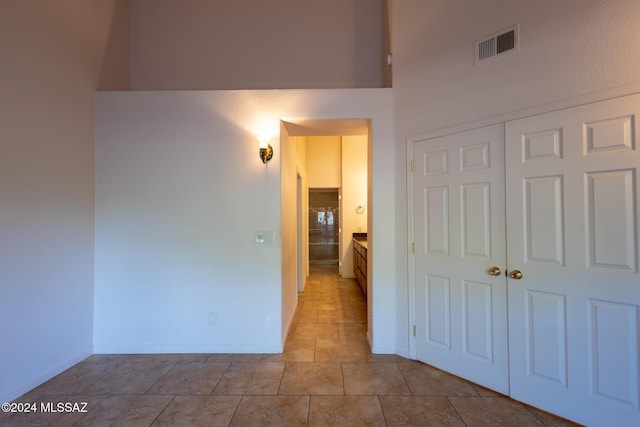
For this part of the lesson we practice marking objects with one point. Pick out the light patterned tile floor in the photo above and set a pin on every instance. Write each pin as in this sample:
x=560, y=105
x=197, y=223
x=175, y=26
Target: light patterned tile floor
x=326, y=377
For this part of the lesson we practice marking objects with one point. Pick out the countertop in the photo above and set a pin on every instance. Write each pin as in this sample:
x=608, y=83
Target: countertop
x=362, y=243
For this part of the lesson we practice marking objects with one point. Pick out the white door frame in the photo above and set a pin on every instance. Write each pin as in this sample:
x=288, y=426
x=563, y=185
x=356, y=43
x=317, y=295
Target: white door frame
x=520, y=114
x=412, y=290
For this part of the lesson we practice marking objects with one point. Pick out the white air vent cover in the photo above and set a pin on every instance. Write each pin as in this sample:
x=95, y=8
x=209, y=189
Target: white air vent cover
x=497, y=44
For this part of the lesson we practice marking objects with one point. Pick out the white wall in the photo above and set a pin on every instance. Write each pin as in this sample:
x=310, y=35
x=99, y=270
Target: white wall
x=248, y=44
x=180, y=193
x=568, y=49
x=52, y=59
x=324, y=161
x=341, y=162
x=354, y=194
x=295, y=237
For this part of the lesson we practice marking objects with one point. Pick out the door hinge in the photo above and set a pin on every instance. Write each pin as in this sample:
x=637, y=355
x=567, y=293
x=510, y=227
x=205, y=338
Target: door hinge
x=414, y=330
x=413, y=248
x=413, y=166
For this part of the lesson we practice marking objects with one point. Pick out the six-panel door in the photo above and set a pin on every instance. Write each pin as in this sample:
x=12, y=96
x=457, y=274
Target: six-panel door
x=461, y=321
x=572, y=227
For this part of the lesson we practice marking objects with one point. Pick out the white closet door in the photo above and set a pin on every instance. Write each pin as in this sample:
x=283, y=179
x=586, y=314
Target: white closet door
x=572, y=225
x=461, y=311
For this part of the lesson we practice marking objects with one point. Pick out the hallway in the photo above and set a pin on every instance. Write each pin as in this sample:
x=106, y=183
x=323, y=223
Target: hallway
x=325, y=377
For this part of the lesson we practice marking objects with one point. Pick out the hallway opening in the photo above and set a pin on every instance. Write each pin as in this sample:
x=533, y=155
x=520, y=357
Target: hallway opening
x=324, y=227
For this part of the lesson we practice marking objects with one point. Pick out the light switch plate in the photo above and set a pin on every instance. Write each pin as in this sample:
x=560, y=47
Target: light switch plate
x=264, y=236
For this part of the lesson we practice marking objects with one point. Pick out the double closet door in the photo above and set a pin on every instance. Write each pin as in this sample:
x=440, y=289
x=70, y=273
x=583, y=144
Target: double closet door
x=526, y=259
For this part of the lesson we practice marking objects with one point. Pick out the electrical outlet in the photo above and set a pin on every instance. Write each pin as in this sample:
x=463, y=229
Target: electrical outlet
x=213, y=318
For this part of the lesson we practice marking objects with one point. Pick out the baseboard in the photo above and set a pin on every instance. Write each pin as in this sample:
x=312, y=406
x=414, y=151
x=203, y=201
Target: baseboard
x=404, y=352
x=186, y=348
x=383, y=349
x=289, y=324
x=34, y=382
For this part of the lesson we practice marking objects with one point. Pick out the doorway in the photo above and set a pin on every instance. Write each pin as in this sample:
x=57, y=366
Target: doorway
x=526, y=259
x=324, y=229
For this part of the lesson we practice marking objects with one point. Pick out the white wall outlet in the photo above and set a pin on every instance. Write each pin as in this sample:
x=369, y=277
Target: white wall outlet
x=213, y=318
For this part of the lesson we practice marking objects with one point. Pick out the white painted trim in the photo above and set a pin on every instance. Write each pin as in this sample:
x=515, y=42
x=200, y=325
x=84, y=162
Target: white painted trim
x=532, y=111
x=290, y=322
x=404, y=352
x=186, y=348
x=617, y=92
x=45, y=376
x=411, y=291
x=383, y=349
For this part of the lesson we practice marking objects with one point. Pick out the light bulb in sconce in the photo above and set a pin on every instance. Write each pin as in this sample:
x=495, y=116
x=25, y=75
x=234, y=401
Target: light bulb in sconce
x=266, y=151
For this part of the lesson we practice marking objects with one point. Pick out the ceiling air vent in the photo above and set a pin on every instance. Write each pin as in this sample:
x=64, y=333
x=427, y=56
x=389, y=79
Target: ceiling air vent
x=497, y=44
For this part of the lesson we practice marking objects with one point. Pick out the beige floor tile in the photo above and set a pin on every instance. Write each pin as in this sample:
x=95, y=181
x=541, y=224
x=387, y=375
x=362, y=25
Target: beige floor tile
x=386, y=358
x=320, y=304
x=345, y=411
x=130, y=411
x=190, y=378
x=276, y=411
x=336, y=316
x=425, y=380
x=251, y=378
x=316, y=331
x=352, y=331
x=325, y=376
x=76, y=379
x=551, y=420
x=361, y=315
x=234, y=358
x=409, y=411
x=483, y=391
x=312, y=379
x=342, y=297
x=341, y=351
x=302, y=350
x=306, y=316
x=373, y=379
x=198, y=411
x=130, y=378
x=493, y=411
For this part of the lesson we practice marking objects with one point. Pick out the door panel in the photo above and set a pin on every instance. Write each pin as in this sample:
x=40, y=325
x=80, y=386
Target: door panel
x=476, y=313
x=544, y=226
x=436, y=220
x=610, y=220
x=572, y=226
x=438, y=315
x=545, y=323
x=461, y=313
x=476, y=220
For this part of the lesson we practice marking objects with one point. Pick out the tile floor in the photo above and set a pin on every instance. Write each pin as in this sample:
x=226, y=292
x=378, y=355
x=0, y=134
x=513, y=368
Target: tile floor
x=326, y=377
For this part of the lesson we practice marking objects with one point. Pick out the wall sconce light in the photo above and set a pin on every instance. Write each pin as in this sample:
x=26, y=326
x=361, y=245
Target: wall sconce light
x=266, y=151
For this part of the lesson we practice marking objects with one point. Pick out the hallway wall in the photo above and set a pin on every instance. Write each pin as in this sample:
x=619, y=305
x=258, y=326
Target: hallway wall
x=180, y=194
x=53, y=57
x=568, y=49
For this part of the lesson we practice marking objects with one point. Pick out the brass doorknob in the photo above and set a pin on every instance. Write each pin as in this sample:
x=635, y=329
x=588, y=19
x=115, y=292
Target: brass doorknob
x=495, y=271
x=516, y=274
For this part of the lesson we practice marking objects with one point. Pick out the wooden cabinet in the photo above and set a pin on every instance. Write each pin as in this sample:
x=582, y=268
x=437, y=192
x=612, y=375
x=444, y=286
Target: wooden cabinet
x=360, y=263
